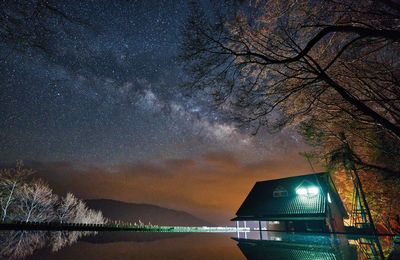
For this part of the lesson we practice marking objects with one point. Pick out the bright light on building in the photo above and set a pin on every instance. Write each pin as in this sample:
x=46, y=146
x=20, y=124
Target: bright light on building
x=310, y=191
x=301, y=191
x=329, y=198
x=313, y=190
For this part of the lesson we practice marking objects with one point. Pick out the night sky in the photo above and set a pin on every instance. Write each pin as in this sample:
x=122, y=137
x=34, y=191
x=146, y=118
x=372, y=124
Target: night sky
x=105, y=115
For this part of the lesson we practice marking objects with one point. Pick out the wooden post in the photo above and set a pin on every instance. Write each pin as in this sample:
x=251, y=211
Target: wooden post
x=266, y=233
x=245, y=233
x=237, y=229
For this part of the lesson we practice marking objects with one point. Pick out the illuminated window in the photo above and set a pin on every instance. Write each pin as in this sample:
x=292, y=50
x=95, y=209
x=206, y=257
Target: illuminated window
x=329, y=198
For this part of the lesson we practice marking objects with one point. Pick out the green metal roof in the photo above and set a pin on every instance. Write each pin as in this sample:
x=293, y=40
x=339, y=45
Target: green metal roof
x=276, y=208
x=294, y=205
x=261, y=203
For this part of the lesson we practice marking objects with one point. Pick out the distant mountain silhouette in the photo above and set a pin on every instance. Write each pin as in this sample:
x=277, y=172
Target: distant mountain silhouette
x=133, y=212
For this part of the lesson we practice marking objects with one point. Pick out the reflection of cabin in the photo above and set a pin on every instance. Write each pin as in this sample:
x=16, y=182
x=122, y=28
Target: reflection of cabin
x=301, y=203
x=291, y=247
x=259, y=249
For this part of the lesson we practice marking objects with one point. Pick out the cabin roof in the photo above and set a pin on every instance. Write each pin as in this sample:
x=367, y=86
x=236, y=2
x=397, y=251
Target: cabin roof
x=261, y=204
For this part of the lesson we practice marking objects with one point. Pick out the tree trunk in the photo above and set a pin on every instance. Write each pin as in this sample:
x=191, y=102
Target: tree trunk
x=8, y=202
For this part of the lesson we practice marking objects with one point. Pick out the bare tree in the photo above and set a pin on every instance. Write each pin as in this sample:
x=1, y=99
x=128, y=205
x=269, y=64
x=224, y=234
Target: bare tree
x=74, y=210
x=331, y=64
x=33, y=200
x=31, y=24
x=85, y=215
x=11, y=182
x=96, y=217
x=36, y=202
x=67, y=208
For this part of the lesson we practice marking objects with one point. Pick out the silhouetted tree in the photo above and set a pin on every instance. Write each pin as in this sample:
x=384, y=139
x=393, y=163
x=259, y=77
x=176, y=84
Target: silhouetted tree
x=30, y=24
x=331, y=65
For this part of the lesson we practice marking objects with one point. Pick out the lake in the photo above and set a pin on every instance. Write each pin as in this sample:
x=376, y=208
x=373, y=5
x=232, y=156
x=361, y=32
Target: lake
x=141, y=245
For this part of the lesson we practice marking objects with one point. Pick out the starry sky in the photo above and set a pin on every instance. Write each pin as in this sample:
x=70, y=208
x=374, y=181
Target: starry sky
x=107, y=104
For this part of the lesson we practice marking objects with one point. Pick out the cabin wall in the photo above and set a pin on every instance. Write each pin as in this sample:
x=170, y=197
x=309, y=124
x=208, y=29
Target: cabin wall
x=336, y=218
x=306, y=225
x=276, y=225
x=297, y=225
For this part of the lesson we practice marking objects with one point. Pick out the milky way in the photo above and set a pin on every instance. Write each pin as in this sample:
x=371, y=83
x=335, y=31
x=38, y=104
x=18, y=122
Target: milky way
x=102, y=112
x=111, y=91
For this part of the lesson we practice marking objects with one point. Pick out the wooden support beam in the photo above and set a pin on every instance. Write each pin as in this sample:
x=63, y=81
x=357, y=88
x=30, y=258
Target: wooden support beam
x=237, y=229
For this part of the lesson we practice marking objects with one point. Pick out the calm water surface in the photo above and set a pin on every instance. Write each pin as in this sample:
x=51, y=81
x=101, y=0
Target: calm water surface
x=131, y=245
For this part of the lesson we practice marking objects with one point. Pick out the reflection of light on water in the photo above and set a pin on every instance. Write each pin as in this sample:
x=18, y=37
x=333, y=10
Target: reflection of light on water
x=339, y=246
x=275, y=238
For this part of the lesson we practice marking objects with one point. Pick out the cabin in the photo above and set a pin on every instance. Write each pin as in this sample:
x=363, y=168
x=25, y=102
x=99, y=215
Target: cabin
x=301, y=203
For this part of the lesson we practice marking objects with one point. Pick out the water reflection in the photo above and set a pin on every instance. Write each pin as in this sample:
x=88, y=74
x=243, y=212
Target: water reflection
x=277, y=245
x=138, y=245
x=149, y=246
x=281, y=245
x=20, y=244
